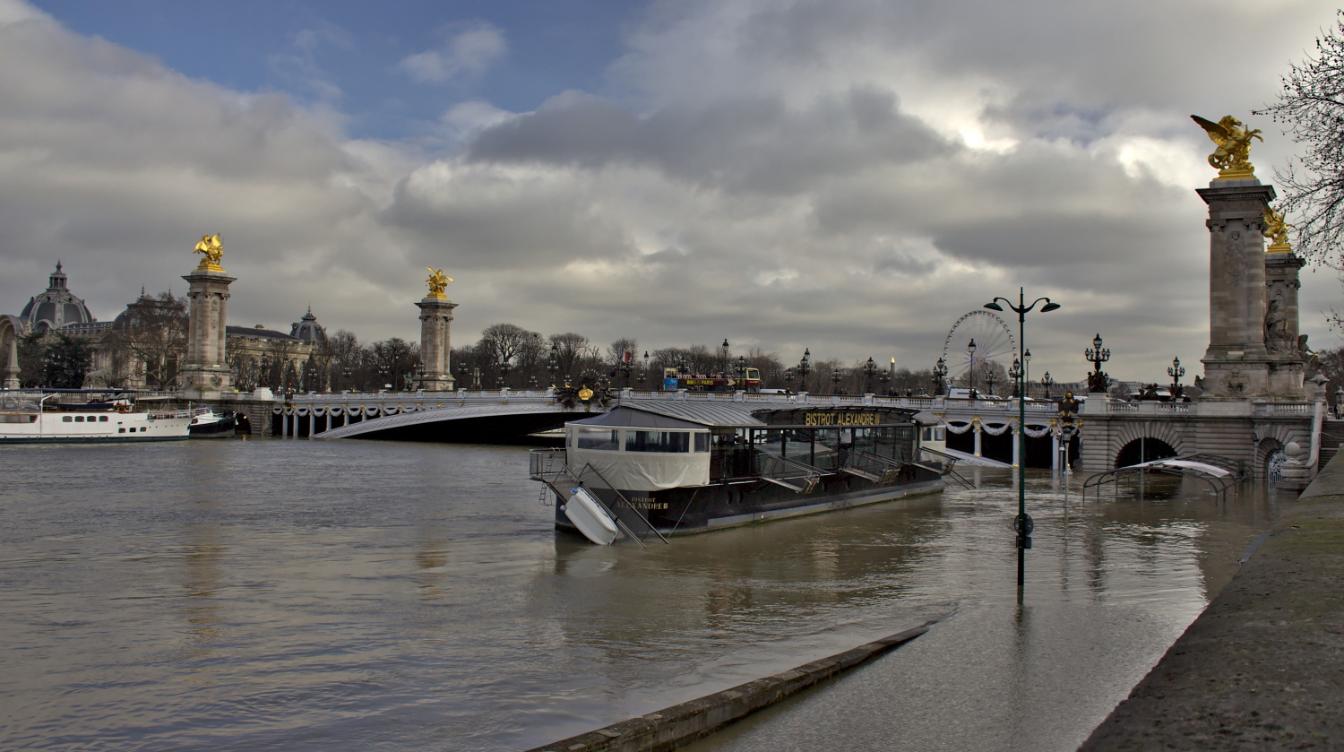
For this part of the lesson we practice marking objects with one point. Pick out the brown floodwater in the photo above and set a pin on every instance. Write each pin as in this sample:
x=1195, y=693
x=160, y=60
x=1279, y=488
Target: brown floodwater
x=276, y=594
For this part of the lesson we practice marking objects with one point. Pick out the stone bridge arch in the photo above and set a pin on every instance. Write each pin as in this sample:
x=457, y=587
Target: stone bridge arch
x=11, y=328
x=1132, y=433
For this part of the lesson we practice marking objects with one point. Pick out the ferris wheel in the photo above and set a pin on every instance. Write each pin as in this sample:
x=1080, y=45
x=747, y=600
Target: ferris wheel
x=977, y=341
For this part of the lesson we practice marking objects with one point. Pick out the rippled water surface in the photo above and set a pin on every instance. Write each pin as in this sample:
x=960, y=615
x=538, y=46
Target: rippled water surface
x=276, y=594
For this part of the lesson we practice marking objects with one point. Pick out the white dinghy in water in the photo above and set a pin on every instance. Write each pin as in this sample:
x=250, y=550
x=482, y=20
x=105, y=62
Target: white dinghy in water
x=590, y=517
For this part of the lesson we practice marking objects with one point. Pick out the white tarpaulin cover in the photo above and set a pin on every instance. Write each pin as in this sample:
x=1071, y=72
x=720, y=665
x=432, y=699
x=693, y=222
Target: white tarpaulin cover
x=644, y=471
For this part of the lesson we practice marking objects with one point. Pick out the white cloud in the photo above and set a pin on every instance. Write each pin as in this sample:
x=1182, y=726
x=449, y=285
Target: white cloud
x=468, y=52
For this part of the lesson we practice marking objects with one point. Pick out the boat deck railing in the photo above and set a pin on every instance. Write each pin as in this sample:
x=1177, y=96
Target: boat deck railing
x=549, y=467
x=879, y=469
x=942, y=463
x=787, y=472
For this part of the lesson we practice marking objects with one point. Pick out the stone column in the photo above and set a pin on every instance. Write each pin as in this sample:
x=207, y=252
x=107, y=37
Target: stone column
x=436, y=316
x=206, y=368
x=1054, y=452
x=975, y=426
x=1236, y=364
x=1286, y=360
x=11, y=373
x=1017, y=447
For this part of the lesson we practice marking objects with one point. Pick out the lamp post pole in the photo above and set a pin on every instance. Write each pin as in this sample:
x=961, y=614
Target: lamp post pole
x=869, y=370
x=939, y=373
x=1023, y=523
x=804, y=366
x=1047, y=382
x=1176, y=371
x=970, y=348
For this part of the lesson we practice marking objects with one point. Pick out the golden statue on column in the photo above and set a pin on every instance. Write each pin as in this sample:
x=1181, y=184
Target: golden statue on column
x=1276, y=229
x=1232, y=158
x=212, y=250
x=438, y=282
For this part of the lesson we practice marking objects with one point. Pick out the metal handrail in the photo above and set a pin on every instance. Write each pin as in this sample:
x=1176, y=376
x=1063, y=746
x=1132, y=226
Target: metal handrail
x=621, y=498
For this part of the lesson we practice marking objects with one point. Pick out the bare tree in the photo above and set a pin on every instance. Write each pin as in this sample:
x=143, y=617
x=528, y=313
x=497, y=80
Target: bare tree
x=1310, y=108
x=152, y=333
x=573, y=353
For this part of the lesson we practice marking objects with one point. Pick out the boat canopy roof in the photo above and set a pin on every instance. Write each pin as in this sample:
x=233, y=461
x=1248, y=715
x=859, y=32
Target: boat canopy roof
x=626, y=417
x=690, y=414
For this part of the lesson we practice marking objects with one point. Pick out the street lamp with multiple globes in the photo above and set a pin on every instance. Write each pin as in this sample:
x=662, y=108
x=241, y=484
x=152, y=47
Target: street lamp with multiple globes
x=989, y=379
x=804, y=367
x=869, y=371
x=1096, y=355
x=1023, y=523
x=835, y=380
x=939, y=373
x=1176, y=371
x=1047, y=382
x=1015, y=373
x=970, y=350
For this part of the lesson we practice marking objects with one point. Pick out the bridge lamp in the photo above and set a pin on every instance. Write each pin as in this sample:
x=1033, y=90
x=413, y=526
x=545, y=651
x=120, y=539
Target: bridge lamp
x=804, y=366
x=970, y=350
x=1022, y=523
x=1047, y=382
x=869, y=370
x=1176, y=371
x=939, y=373
x=1015, y=373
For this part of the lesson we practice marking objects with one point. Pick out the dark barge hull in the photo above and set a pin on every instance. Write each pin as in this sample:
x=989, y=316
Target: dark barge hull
x=718, y=506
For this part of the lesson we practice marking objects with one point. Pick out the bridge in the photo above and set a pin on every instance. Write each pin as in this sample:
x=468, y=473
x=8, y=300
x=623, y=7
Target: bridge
x=1253, y=434
x=989, y=427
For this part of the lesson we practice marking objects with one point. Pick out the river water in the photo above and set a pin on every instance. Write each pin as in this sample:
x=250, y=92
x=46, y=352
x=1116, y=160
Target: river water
x=269, y=594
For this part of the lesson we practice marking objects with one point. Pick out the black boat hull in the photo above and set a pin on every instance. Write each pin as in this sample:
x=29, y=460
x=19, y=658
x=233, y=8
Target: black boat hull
x=684, y=511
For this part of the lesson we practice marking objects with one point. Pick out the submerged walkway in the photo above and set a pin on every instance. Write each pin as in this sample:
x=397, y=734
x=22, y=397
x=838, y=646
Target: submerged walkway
x=1263, y=667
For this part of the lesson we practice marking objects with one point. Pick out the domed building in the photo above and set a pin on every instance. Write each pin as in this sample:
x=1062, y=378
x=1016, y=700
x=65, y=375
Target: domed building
x=56, y=308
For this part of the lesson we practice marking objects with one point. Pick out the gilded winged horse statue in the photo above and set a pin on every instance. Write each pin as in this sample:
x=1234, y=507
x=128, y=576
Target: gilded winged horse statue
x=1232, y=158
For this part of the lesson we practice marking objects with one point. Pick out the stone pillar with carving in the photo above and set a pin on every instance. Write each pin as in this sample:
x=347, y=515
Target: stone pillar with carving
x=205, y=370
x=1287, y=361
x=9, y=375
x=436, y=316
x=1236, y=364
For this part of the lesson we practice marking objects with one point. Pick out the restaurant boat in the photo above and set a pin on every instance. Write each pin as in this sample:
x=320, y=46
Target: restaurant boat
x=28, y=417
x=655, y=468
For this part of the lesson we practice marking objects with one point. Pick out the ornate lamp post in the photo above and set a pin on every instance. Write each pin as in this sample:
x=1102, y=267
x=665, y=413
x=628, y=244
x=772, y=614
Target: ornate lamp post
x=553, y=363
x=1023, y=523
x=1015, y=373
x=644, y=372
x=504, y=366
x=990, y=379
x=1176, y=371
x=885, y=378
x=1096, y=355
x=804, y=367
x=869, y=371
x=741, y=372
x=970, y=350
x=835, y=381
x=1047, y=382
x=1026, y=373
x=939, y=373
x=788, y=381
x=723, y=370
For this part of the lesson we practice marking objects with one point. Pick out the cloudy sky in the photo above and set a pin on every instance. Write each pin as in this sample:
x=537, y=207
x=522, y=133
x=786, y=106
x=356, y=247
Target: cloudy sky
x=849, y=176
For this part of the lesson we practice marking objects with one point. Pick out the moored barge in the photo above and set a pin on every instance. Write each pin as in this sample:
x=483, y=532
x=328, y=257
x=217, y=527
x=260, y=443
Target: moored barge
x=667, y=467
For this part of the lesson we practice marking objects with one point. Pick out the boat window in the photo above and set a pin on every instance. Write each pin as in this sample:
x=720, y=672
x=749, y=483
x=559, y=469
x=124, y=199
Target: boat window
x=657, y=441
x=121, y=430
x=79, y=418
x=702, y=442
x=597, y=438
x=66, y=418
x=102, y=418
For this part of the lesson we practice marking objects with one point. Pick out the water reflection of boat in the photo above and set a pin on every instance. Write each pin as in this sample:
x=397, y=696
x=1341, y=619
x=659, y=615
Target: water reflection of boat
x=656, y=468
x=46, y=418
